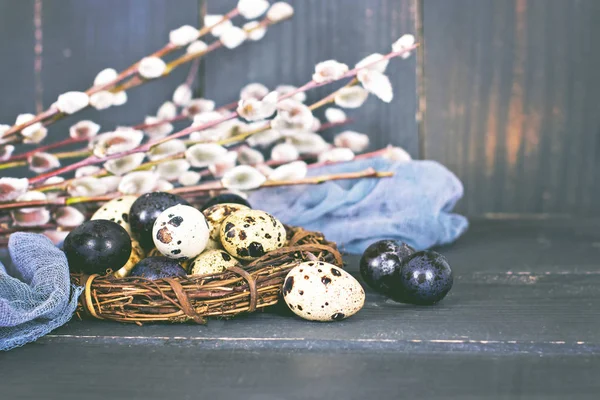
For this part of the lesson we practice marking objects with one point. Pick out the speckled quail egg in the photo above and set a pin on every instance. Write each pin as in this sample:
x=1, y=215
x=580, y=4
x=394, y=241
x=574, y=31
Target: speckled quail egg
x=180, y=232
x=184, y=263
x=212, y=262
x=226, y=198
x=319, y=291
x=137, y=254
x=216, y=214
x=117, y=210
x=250, y=234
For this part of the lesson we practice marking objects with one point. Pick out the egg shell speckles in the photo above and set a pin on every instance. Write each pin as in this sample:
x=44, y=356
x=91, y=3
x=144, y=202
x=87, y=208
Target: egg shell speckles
x=250, y=234
x=180, y=232
x=117, y=210
x=319, y=291
x=137, y=254
x=216, y=214
x=212, y=262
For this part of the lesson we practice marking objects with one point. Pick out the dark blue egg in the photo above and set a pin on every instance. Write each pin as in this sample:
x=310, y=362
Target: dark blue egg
x=225, y=198
x=379, y=262
x=425, y=278
x=157, y=268
x=144, y=212
x=98, y=245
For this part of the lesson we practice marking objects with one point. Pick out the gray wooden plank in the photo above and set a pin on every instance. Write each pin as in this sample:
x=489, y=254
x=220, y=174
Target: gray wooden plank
x=322, y=30
x=520, y=286
x=511, y=102
x=60, y=371
x=17, y=41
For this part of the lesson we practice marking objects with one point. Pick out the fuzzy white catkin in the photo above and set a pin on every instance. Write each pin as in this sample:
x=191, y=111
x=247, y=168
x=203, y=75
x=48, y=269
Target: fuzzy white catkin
x=182, y=95
x=280, y=11
x=251, y=9
x=151, y=67
x=254, y=30
x=189, y=178
x=183, y=35
x=105, y=76
x=233, y=37
x=71, y=102
x=197, y=46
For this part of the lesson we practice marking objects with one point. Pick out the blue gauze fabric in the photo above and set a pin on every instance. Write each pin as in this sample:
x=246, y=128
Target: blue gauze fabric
x=413, y=206
x=36, y=295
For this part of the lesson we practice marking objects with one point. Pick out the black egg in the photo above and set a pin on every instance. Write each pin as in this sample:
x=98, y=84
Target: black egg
x=225, y=198
x=379, y=262
x=95, y=246
x=424, y=278
x=144, y=212
x=157, y=268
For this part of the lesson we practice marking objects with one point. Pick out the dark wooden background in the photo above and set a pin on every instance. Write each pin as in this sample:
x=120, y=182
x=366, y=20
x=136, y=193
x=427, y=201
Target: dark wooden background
x=503, y=92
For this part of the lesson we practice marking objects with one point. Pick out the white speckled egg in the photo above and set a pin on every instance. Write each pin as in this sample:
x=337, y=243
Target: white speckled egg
x=180, y=232
x=250, y=234
x=212, y=262
x=216, y=214
x=213, y=244
x=319, y=291
x=117, y=210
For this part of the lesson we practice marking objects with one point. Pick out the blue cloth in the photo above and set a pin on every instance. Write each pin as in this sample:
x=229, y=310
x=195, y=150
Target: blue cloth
x=36, y=295
x=414, y=206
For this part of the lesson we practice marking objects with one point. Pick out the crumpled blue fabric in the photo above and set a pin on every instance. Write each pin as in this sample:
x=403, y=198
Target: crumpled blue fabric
x=36, y=294
x=414, y=206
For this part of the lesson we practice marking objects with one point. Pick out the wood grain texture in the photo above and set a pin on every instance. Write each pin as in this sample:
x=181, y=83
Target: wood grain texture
x=320, y=30
x=520, y=286
x=512, y=103
x=520, y=322
x=64, y=372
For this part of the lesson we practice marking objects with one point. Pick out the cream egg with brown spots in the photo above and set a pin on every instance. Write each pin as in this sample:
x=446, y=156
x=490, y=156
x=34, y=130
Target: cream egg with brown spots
x=117, y=210
x=212, y=262
x=250, y=234
x=319, y=291
x=180, y=232
x=216, y=214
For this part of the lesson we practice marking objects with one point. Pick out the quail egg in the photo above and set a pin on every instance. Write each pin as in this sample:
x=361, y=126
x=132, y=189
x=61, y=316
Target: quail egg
x=157, y=268
x=250, y=234
x=319, y=291
x=425, y=278
x=226, y=198
x=379, y=262
x=217, y=213
x=180, y=232
x=117, y=210
x=137, y=254
x=144, y=212
x=184, y=263
x=212, y=262
x=95, y=246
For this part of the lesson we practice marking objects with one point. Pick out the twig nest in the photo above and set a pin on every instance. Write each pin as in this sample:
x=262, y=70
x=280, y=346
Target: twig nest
x=319, y=291
x=250, y=234
x=180, y=232
x=216, y=214
x=117, y=210
x=212, y=262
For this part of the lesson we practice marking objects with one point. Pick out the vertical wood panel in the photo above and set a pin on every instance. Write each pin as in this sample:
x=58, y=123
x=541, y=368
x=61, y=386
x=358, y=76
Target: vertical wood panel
x=17, y=65
x=324, y=29
x=83, y=37
x=512, y=102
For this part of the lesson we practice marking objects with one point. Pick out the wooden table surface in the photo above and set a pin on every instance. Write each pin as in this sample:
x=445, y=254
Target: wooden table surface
x=522, y=321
